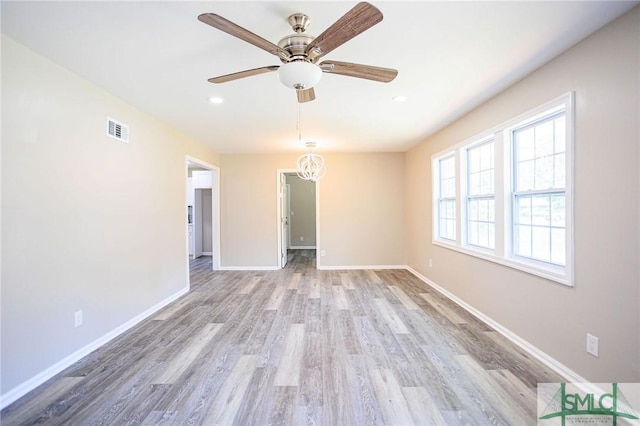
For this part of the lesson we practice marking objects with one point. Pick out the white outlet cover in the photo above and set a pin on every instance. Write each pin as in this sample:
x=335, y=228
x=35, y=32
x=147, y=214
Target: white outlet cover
x=592, y=345
x=77, y=318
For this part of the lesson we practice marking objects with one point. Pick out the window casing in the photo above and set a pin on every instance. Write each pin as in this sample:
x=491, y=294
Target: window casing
x=513, y=201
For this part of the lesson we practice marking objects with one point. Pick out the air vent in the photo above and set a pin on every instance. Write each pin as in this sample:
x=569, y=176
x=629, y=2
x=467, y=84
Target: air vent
x=117, y=130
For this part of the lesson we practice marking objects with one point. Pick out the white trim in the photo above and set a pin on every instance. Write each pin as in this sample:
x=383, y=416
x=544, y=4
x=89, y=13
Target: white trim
x=35, y=381
x=350, y=267
x=249, y=268
x=207, y=253
x=301, y=247
x=541, y=356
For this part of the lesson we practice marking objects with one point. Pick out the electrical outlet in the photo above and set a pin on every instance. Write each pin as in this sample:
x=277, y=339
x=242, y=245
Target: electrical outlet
x=323, y=253
x=430, y=263
x=301, y=238
x=592, y=345
x=77, y=316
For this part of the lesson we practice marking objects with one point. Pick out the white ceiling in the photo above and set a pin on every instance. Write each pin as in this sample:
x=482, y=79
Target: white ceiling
x=451, y=57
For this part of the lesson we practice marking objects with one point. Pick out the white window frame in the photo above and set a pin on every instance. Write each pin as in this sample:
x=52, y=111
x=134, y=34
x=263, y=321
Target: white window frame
x=503, y=253
x=469, y=197
x=438, y=198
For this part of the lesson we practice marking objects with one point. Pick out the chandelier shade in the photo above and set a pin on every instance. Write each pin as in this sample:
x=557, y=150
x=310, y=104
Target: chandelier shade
x=311, y=167
x=299, y=75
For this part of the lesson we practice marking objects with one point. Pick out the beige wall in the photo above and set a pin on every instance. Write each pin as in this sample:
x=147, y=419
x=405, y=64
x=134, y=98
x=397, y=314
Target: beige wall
x=604, y=72
x=88, y=223
x=355, y=227
x=302, y=202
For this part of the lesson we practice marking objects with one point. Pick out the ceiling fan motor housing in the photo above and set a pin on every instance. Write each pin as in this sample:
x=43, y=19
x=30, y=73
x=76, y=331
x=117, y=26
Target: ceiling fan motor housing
x=296, y=45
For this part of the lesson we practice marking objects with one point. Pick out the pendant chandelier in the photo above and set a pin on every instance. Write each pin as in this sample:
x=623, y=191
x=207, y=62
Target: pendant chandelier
x=309, y=166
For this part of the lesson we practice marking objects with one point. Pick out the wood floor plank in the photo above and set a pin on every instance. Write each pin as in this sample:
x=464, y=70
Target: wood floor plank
x=228, y=400
x=443, y=309
x=288, y=373
x=190, y=352
x=404, y=298
x=422, y=408
x=345, y=281
x=297, y=346
x=392, y=319
x=295, y=281
x=394, y=406
x=494, y=394
x=250, y=285
x=340, y=299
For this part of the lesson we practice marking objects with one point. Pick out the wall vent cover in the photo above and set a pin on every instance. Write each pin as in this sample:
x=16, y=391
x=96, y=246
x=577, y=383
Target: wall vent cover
x=117, y=130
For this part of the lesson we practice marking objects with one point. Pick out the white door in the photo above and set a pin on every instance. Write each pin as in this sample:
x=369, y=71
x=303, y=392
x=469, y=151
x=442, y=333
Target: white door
x=284, y=219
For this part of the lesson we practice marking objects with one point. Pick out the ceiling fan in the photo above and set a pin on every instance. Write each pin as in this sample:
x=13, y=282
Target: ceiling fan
x=299, y=52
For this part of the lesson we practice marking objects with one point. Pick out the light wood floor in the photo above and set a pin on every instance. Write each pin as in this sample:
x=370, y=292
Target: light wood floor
x=297, y=346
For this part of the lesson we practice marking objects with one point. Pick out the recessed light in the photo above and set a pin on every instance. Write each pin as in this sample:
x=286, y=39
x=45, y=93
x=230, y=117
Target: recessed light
x=215, y=100
x=399, y=98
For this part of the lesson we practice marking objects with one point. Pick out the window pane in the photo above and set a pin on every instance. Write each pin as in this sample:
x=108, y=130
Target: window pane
x=558, y=246
x=474, y=184
x=473, y=233
x=523, y=210
x=474, y=160
x=447, y=222
x=486, y=186
x=480, y=169
x=524, y=174
x=558, y=211
x=543, y=173
x=473, y=210
x=480, y=222
x=525, y=145
x=523, y=243
x=541, y=210
x=540, y=243
x=544, y=139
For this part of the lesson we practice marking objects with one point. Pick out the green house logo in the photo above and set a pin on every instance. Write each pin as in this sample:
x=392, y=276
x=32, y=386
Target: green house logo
x=583, y=407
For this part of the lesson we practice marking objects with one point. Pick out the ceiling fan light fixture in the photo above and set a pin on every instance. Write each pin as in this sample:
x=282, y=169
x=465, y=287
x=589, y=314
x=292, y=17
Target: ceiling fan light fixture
x=299, y=74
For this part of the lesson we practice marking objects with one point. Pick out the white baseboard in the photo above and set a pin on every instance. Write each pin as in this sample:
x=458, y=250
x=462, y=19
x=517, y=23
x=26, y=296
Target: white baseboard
x=248, y=268
x=541, y=356
x=301, y=247
x=207, y=253
x=32, y=383
x=351, y=267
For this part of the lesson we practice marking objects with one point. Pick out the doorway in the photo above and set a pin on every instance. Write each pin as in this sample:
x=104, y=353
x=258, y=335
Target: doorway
x=203, y=210
x=297, y=214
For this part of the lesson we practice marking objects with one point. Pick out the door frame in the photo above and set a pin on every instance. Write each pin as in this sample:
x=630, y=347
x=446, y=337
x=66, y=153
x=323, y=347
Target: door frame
x=279, y=174
x=215, y=209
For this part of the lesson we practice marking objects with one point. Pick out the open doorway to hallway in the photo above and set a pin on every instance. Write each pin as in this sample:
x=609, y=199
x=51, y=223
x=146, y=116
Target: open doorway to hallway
x=203, y=211
x=297, y=215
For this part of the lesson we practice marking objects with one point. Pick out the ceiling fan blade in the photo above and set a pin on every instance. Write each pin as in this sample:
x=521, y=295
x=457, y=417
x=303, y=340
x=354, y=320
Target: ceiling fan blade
x=369, y=72
x=359, y=19
x=217, y=21
x=306, y=95
x=243, y=74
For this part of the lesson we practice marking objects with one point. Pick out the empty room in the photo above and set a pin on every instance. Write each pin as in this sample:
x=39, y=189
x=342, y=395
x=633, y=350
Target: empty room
x=322, y=213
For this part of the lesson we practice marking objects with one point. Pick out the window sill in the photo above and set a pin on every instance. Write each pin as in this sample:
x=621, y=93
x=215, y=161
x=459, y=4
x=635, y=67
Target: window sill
x=552, y=273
